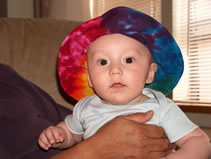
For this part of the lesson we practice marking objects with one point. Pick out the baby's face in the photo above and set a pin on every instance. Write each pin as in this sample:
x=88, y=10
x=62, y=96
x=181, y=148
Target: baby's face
x=118, y=68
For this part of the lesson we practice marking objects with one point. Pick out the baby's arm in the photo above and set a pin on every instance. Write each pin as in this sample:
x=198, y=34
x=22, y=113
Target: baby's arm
x=195, y=145
x=58, y=136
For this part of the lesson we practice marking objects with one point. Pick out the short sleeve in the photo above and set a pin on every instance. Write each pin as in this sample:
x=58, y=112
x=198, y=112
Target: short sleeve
x=73, y=120
x=175, y=123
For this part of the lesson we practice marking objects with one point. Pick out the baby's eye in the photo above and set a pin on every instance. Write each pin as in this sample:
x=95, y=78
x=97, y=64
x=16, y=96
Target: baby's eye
x=129, y=60
x=102, y=62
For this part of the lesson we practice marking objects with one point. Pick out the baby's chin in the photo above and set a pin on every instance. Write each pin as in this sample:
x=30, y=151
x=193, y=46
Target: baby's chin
x=123, y=101
x=116, y=102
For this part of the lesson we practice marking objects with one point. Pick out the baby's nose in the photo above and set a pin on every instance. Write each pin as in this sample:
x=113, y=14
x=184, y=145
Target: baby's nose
x=115, y=69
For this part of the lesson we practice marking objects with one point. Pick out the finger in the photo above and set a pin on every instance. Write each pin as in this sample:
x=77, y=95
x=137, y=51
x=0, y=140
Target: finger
x=43, y=141
x=50, y=136
x=44, y=145
x=140, y=117
x=159, y=145
x=156, y=155
x=61, y=136
x=172, y=148
x=154, y=131
x=57, y=133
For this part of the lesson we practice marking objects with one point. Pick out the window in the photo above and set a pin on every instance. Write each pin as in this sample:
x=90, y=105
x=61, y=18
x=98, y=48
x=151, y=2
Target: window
x=150, y=7
x=192, y=31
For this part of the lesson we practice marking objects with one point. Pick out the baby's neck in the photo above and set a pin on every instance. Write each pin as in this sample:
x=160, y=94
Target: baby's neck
x=144, y=98
x=141, y=99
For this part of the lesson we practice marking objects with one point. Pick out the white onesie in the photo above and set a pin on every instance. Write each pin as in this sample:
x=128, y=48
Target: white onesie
x=90, y=114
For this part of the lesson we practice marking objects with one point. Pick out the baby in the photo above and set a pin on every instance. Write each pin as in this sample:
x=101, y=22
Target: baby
x=132, y=53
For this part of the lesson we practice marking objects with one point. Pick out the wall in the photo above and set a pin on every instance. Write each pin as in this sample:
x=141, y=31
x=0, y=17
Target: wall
x=204, y=120
x=20, y=8
x=59, y=9
x=69, y=9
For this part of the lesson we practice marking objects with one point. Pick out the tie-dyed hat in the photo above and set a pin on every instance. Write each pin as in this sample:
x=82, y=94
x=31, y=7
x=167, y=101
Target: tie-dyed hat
x=129, y=22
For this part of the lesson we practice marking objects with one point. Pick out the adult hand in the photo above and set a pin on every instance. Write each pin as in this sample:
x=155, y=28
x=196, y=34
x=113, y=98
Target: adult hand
x=124, y=137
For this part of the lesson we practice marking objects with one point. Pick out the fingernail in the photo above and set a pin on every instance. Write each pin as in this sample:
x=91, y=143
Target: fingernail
x=149, y=112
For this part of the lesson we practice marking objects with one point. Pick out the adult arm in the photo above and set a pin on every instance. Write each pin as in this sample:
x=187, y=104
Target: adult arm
x=25, y=110
x=123, y=137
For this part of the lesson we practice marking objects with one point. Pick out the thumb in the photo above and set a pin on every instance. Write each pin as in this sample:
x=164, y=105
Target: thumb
x=140, y=117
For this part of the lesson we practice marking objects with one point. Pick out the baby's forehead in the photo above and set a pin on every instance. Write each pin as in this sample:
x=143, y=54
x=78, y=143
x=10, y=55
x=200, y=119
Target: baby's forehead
x=115, y=39
x=119, y=43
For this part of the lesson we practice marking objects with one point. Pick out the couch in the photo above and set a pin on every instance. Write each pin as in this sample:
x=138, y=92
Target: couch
x=30, y=47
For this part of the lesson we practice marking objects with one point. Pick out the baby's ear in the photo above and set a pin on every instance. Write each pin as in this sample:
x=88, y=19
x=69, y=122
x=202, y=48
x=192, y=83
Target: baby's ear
x=153, y=68
x=89, y=82
x=88, y=78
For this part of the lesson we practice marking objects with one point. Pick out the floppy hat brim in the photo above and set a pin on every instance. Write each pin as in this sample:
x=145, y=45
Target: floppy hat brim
x=165, y=51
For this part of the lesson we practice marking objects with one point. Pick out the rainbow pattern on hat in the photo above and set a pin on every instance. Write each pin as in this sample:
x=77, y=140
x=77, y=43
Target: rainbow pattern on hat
x=129, y=22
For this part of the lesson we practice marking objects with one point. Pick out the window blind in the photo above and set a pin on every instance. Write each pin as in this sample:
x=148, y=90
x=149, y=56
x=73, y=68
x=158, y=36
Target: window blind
x=192, y=30
x=150, y=7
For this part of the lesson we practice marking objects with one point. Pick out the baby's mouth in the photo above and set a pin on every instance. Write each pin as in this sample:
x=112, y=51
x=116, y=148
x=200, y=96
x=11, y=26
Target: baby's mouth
x=117, y=85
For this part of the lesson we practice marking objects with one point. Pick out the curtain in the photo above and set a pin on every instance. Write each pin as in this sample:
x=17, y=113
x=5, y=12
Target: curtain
x=41, y=8
x=3, y=8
